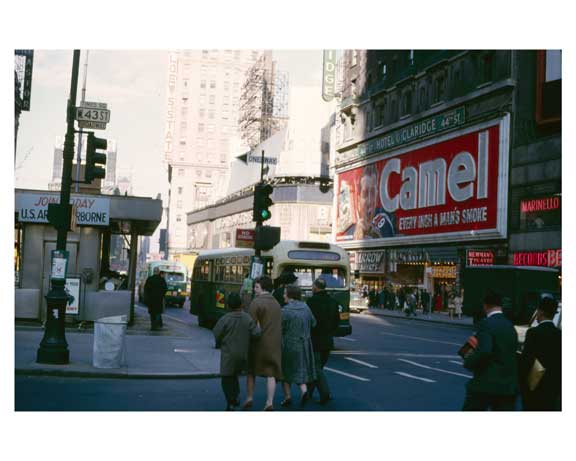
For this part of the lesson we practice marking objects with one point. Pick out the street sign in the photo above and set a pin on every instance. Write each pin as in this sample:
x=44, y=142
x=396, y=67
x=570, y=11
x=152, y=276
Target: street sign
x=245, y=238
x=92, y=115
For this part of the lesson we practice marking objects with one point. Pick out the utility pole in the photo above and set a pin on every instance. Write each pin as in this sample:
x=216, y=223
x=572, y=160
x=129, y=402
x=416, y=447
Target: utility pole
x=53, y=347
x=79, y=149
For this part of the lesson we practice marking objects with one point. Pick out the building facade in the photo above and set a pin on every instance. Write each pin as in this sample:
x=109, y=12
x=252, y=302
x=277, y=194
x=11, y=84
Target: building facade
x=447, y=159
x=201, y=130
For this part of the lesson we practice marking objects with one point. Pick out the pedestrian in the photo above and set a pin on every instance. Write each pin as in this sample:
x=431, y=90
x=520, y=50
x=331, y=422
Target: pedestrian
x=438, y=301
x=298, y=365
x=154, y=290
x=233, y=333
x=401, y=298
x=493, y=361
x=543, y=345
x=327, y=315
x=285, y=278
x=458, y=301
x=451, y=306
x=265, y=357
x=426, y=302
x=410, y=302
x=246, y=291
x=381, y=297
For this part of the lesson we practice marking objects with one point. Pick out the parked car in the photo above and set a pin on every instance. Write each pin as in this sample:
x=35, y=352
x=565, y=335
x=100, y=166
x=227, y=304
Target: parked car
x=358, y=303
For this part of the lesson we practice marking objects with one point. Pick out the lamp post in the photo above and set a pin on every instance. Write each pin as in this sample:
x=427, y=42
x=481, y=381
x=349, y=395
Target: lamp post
x=53, y=347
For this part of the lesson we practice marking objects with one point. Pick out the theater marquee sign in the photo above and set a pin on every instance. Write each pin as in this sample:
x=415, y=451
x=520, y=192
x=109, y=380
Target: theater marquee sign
x=451, y=188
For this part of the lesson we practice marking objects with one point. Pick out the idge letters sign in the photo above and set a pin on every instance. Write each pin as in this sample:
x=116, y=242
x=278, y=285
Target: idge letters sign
x=451, y=188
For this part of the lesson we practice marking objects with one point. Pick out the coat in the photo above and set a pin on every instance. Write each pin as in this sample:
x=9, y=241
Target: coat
x=297, y=351
x=494, y=361
x=233, y=333
x=543, y=342
x=327, y=315
x=154, y=290
x=266, y=354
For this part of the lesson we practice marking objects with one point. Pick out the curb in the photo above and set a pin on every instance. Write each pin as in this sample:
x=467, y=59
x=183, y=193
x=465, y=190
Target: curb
x=443, y=322
x=120, y=374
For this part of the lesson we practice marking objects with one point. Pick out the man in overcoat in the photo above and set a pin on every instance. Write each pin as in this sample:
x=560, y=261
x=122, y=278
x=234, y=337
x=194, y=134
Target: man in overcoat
x=233, y=333
x=154, y=290
x=326, y=312
x=543, y=342
x=494, y=363
x=266, y=354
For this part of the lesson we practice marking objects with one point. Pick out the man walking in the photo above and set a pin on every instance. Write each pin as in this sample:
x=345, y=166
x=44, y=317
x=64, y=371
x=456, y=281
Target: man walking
x=154, y=290
x=266, y=355
x=493, y=361
x=544, y=344
x=325, y=310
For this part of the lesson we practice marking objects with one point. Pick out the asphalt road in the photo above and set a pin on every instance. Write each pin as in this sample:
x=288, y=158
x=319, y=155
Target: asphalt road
x=385, y=365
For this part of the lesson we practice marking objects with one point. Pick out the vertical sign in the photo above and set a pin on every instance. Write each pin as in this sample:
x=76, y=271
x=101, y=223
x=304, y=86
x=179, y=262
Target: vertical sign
x=27, y=77
x=328, y=75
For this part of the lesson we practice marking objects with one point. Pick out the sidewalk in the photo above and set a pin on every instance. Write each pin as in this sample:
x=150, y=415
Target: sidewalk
x=180, y=350
x=435, y=317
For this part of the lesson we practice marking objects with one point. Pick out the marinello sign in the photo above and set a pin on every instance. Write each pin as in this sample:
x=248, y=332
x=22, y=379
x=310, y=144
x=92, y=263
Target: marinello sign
x=449, y=189
x=90, y=210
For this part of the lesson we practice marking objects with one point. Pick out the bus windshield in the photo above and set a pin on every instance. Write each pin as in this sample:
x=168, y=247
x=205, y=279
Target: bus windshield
x=174, y=277
x=335, y=277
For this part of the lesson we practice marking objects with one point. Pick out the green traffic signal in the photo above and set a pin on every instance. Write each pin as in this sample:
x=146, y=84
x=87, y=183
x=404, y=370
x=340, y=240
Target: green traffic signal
x=262, y=202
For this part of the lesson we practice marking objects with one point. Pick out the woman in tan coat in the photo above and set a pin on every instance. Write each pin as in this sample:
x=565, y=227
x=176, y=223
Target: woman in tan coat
x=266, y=354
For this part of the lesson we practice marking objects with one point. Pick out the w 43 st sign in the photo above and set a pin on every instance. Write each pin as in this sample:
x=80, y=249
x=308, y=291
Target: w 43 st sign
x=92, y=115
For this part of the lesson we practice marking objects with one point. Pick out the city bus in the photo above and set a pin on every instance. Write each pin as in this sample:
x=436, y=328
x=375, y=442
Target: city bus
x=176, y=278
x=219, y=272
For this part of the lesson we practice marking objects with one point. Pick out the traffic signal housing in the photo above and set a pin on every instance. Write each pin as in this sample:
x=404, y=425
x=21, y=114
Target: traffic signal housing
x=262, y=202
x=95, y=160
x=266, y=237
x=59, y=215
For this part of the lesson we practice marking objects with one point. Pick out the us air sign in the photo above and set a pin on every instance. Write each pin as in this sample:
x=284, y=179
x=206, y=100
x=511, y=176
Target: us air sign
x=90, y=210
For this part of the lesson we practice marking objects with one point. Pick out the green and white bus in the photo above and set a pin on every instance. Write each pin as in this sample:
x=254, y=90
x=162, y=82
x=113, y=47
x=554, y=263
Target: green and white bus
x=176, y=278
x=219, y=272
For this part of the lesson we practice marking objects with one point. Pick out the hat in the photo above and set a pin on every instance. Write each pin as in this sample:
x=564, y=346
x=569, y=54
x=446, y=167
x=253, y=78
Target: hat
x=548, y=305
x=287, y=277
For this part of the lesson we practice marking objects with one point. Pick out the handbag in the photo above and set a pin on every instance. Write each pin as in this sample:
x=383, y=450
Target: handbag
x=536, y=374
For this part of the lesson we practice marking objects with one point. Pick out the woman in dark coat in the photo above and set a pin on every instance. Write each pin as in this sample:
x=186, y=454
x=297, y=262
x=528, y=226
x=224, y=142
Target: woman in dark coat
x=297, y=351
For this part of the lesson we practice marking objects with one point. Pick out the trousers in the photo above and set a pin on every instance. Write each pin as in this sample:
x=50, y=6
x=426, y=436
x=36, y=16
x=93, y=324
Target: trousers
x=320, y=360
x=479, y=401
x=156, y=320
x=231, y=388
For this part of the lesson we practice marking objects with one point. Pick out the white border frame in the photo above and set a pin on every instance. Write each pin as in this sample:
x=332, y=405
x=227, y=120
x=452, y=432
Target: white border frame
x=499, y=232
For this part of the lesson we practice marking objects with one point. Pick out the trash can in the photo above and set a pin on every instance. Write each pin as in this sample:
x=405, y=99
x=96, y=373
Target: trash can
x=109, y=349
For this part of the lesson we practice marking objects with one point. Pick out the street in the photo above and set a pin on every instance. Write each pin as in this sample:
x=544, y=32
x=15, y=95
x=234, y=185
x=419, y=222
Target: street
x=385, y=365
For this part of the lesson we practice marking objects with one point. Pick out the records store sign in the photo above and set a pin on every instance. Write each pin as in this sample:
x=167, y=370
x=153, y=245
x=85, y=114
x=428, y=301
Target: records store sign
x=449, y=189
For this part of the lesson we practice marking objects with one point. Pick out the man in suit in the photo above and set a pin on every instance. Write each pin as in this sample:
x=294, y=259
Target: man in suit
x=154, y=290
x=493, y=361
x=543, y=342
x=326, y=312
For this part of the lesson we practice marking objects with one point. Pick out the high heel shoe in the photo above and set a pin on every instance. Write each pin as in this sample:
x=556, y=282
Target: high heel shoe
x=268, y=408
x=247, y=405
x=286, y=402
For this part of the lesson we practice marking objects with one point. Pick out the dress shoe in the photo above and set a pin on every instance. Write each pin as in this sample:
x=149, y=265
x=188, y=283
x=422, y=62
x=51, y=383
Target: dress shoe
x=286, y=402
x=247, y=405
x=304, y=399
x=268, y=408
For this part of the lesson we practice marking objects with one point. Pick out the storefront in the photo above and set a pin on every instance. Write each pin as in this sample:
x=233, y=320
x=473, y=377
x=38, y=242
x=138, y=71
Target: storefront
x=424, y=211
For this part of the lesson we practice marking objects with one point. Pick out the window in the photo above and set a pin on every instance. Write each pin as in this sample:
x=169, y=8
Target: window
x=210, y=128
x=185, y=83
x=182, y=141
x=383, y=70
x=184, y=112
x=204, y=54
x=203, y=84
x=212, y=84
x=438, y=89
x=179, y=204
x=549, y=87
x=180, y=190
x=407, y=103
x=423, y=98
x=236, y=55
x=185, y=100
x=211, y=99
x=225, y=115
x=486, y=67
x=208, y=173
x=354, y=58
x=211, y=114
x=254, y=55
x=198, y=173
x=201, y=112
x=369, y=120
x=183, y=125
x=180, y=171
x=182, y=156
x=178, y=218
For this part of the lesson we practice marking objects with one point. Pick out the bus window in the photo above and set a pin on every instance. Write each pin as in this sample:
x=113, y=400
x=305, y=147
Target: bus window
x=175, y=277
x=335, y=277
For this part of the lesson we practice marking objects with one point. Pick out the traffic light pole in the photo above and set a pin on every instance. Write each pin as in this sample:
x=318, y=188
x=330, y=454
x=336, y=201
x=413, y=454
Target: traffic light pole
x=53, y=347
x=258, y=252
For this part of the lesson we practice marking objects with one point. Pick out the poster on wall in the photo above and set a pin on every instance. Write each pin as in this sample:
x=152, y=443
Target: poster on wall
x=451, y=188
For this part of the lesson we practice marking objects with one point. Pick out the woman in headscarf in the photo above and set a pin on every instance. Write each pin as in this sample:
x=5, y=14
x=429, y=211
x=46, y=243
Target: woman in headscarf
x=297, y=352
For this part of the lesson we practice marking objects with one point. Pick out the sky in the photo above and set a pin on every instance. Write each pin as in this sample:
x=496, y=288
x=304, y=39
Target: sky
x=133, y=84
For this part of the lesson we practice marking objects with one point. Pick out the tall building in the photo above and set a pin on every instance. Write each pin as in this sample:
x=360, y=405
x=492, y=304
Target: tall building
x=201, y=130
x=447, y=159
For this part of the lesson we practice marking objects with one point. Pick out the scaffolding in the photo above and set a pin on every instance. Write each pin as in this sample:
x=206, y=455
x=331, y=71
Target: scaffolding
x=263, y=101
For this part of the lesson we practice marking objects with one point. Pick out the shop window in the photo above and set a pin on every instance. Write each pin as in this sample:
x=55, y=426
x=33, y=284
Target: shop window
x=549, y=87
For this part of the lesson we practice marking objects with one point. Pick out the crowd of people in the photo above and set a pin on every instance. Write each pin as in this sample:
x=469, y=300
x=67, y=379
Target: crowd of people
x=410, y=300
x=288, y=342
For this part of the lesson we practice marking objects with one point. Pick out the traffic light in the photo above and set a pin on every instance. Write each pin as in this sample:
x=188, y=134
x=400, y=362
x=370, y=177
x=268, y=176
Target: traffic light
x=59, y=216
x=95, y=160
x=266, y=237
x=262, y=202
